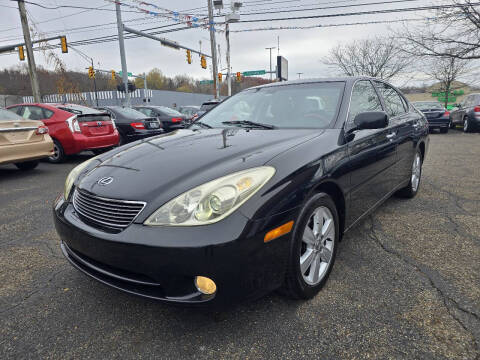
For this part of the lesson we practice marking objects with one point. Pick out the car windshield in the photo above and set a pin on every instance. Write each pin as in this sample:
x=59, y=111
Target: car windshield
x=6, y=115
x=428, y=105
x=169, y=111
x=312, y=105
x=128, y=112
x=78, y=109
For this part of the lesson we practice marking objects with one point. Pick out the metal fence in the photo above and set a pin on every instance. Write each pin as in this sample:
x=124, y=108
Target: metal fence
x=138, y=97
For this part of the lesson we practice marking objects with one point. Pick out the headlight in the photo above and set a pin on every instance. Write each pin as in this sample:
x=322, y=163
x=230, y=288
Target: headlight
x=72, y=176
x=213, y=201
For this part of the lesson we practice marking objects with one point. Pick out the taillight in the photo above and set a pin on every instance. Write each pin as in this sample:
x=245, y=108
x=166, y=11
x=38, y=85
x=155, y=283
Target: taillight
x=177, y=119
x=41, y=130
x=447, y=113
x=73, y=125
x=138, y=125
x=476, y=109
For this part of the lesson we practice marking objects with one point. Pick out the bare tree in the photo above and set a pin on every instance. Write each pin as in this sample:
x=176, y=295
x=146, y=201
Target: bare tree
x=447, y=71
x=450, y=32
x=378, y=57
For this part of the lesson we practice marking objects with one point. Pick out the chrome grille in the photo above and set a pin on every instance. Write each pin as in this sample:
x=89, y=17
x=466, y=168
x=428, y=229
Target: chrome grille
x=103, y=212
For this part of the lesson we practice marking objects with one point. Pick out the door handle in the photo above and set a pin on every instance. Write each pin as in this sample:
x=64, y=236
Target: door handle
x=391, y=136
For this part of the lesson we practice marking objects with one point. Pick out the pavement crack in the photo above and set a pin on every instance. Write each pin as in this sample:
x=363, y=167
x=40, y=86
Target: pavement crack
x=447, y=300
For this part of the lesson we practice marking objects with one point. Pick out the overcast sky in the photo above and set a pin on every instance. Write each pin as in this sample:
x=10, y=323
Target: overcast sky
x=303, y=48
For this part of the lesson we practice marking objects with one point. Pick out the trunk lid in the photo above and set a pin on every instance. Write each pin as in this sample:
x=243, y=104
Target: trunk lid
x=19, y=132
x=95, y=124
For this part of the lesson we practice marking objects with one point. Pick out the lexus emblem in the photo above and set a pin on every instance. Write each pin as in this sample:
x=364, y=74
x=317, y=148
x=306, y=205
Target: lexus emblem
x=105, y=181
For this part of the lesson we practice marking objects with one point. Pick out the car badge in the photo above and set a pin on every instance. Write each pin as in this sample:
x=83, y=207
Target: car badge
x=99, y=123
x=105, y=181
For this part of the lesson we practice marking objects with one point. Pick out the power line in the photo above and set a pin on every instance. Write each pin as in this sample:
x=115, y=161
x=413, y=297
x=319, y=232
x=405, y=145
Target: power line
x=72, y=7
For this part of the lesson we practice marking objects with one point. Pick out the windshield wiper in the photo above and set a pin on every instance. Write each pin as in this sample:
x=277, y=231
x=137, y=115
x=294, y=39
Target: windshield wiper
x=249, y=124
x=202, y=124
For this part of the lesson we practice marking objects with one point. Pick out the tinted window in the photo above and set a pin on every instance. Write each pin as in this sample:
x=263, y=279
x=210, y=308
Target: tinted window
x=128, y=112
x=364, y=98
x=33, y=113
x=16, y=109
x=428, y=105
x=394, y=104
x=48, y=113
x=7, y=115
x=168, y=111
x=312, y=105
x=147, y=112
x=208, y=106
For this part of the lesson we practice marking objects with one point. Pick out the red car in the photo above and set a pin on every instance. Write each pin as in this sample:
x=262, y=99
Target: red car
x=73, y=128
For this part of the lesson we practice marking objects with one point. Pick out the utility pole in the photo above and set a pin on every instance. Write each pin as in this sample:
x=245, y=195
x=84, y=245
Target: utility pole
x=270, y=48
x=95, y=86
x=299, y=74
x=229, y=79
x=122, y=52
x=213, y=47
x=32, y=69
x=145, y=86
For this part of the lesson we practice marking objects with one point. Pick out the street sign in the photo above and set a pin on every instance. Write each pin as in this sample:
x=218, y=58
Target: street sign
x=120, y=73
x=254, y=72
x=206, y=82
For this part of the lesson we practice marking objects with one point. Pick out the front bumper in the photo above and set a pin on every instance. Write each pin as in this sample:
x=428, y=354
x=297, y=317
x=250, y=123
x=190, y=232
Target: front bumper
x=161, y=262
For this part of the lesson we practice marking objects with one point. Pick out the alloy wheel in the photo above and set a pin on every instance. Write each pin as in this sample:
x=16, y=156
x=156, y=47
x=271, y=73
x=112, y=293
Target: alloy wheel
x=317, y=245
x=465, y=125
x=56, y=152
x=416, y=171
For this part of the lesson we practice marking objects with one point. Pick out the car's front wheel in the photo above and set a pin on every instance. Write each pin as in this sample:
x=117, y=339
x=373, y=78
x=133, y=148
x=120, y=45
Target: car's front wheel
x=313, y=248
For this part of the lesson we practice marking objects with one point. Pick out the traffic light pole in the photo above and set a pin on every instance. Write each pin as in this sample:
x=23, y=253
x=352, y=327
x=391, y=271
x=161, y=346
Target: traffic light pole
x=216, y=89
x=122, y=52
x=95, y=87
x=32, y=69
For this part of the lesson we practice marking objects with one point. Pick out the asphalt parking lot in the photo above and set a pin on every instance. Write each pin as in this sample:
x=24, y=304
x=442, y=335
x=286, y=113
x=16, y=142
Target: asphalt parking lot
x=406, y=284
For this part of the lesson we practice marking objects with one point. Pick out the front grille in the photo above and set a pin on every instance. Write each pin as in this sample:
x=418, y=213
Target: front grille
x=111, y=213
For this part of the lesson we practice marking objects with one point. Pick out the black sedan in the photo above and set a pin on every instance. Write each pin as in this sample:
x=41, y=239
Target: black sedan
x=437, y=116
x=131, y=124
x=171, y=119
x=249, y=204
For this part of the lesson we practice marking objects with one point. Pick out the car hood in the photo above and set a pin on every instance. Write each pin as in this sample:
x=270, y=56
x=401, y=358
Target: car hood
x=159, y=168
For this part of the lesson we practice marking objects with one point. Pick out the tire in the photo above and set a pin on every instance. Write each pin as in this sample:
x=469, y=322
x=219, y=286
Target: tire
x=452, y=125
x=411, y=189
x=319, y=251
x=27, y=165
x=444, y=130
x=467, y=125
x=58, y=153
x=122, y=140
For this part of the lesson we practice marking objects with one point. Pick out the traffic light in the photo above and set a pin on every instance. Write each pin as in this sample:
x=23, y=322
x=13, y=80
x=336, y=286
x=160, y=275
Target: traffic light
x=63, y=43
x=189, y=57
x=203, y=62
x=91, y=72
x=220, y=77
x=239, y=76
x=113, y=74
x=21, y=53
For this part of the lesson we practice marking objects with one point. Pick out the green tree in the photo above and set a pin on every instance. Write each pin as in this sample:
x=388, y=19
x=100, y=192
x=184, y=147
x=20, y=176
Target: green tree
x=155, y=79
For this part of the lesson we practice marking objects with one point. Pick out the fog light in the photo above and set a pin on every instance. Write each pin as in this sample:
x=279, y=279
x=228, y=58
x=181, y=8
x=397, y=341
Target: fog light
x=205, y=285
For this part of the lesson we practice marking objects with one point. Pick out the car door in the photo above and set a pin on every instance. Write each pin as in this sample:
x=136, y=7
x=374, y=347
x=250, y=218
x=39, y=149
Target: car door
x=372, y=154
x=457, y=117
x=403, y=124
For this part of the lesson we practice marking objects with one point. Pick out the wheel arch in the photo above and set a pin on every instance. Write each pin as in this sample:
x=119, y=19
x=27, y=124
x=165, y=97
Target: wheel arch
x=331, y=188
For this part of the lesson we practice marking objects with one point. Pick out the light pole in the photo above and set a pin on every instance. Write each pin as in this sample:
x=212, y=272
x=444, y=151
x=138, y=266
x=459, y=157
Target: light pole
x=122, y=53
x=213, y=49
x=299, y=74
x=270, y=48
x=229, y=18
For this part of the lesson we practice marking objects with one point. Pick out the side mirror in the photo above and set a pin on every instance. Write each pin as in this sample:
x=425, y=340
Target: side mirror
x=371, y=120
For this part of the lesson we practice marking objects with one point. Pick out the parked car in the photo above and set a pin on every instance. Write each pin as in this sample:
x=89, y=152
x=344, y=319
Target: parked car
x=73, y=128
x=437, y=116
x=171, y=119
x=230, y=209
x=208, y=105
x=23, y=142
x=190, y=111
x=467, y=113
x=132, y=124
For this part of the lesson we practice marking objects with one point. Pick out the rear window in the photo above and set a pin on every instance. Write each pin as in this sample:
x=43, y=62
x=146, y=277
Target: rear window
x=128, y=112
x=7, y=115
x=168, y=111
x=208, y=106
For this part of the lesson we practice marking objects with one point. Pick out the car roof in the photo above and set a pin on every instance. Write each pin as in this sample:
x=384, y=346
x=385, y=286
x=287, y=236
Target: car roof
x=348, y=79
